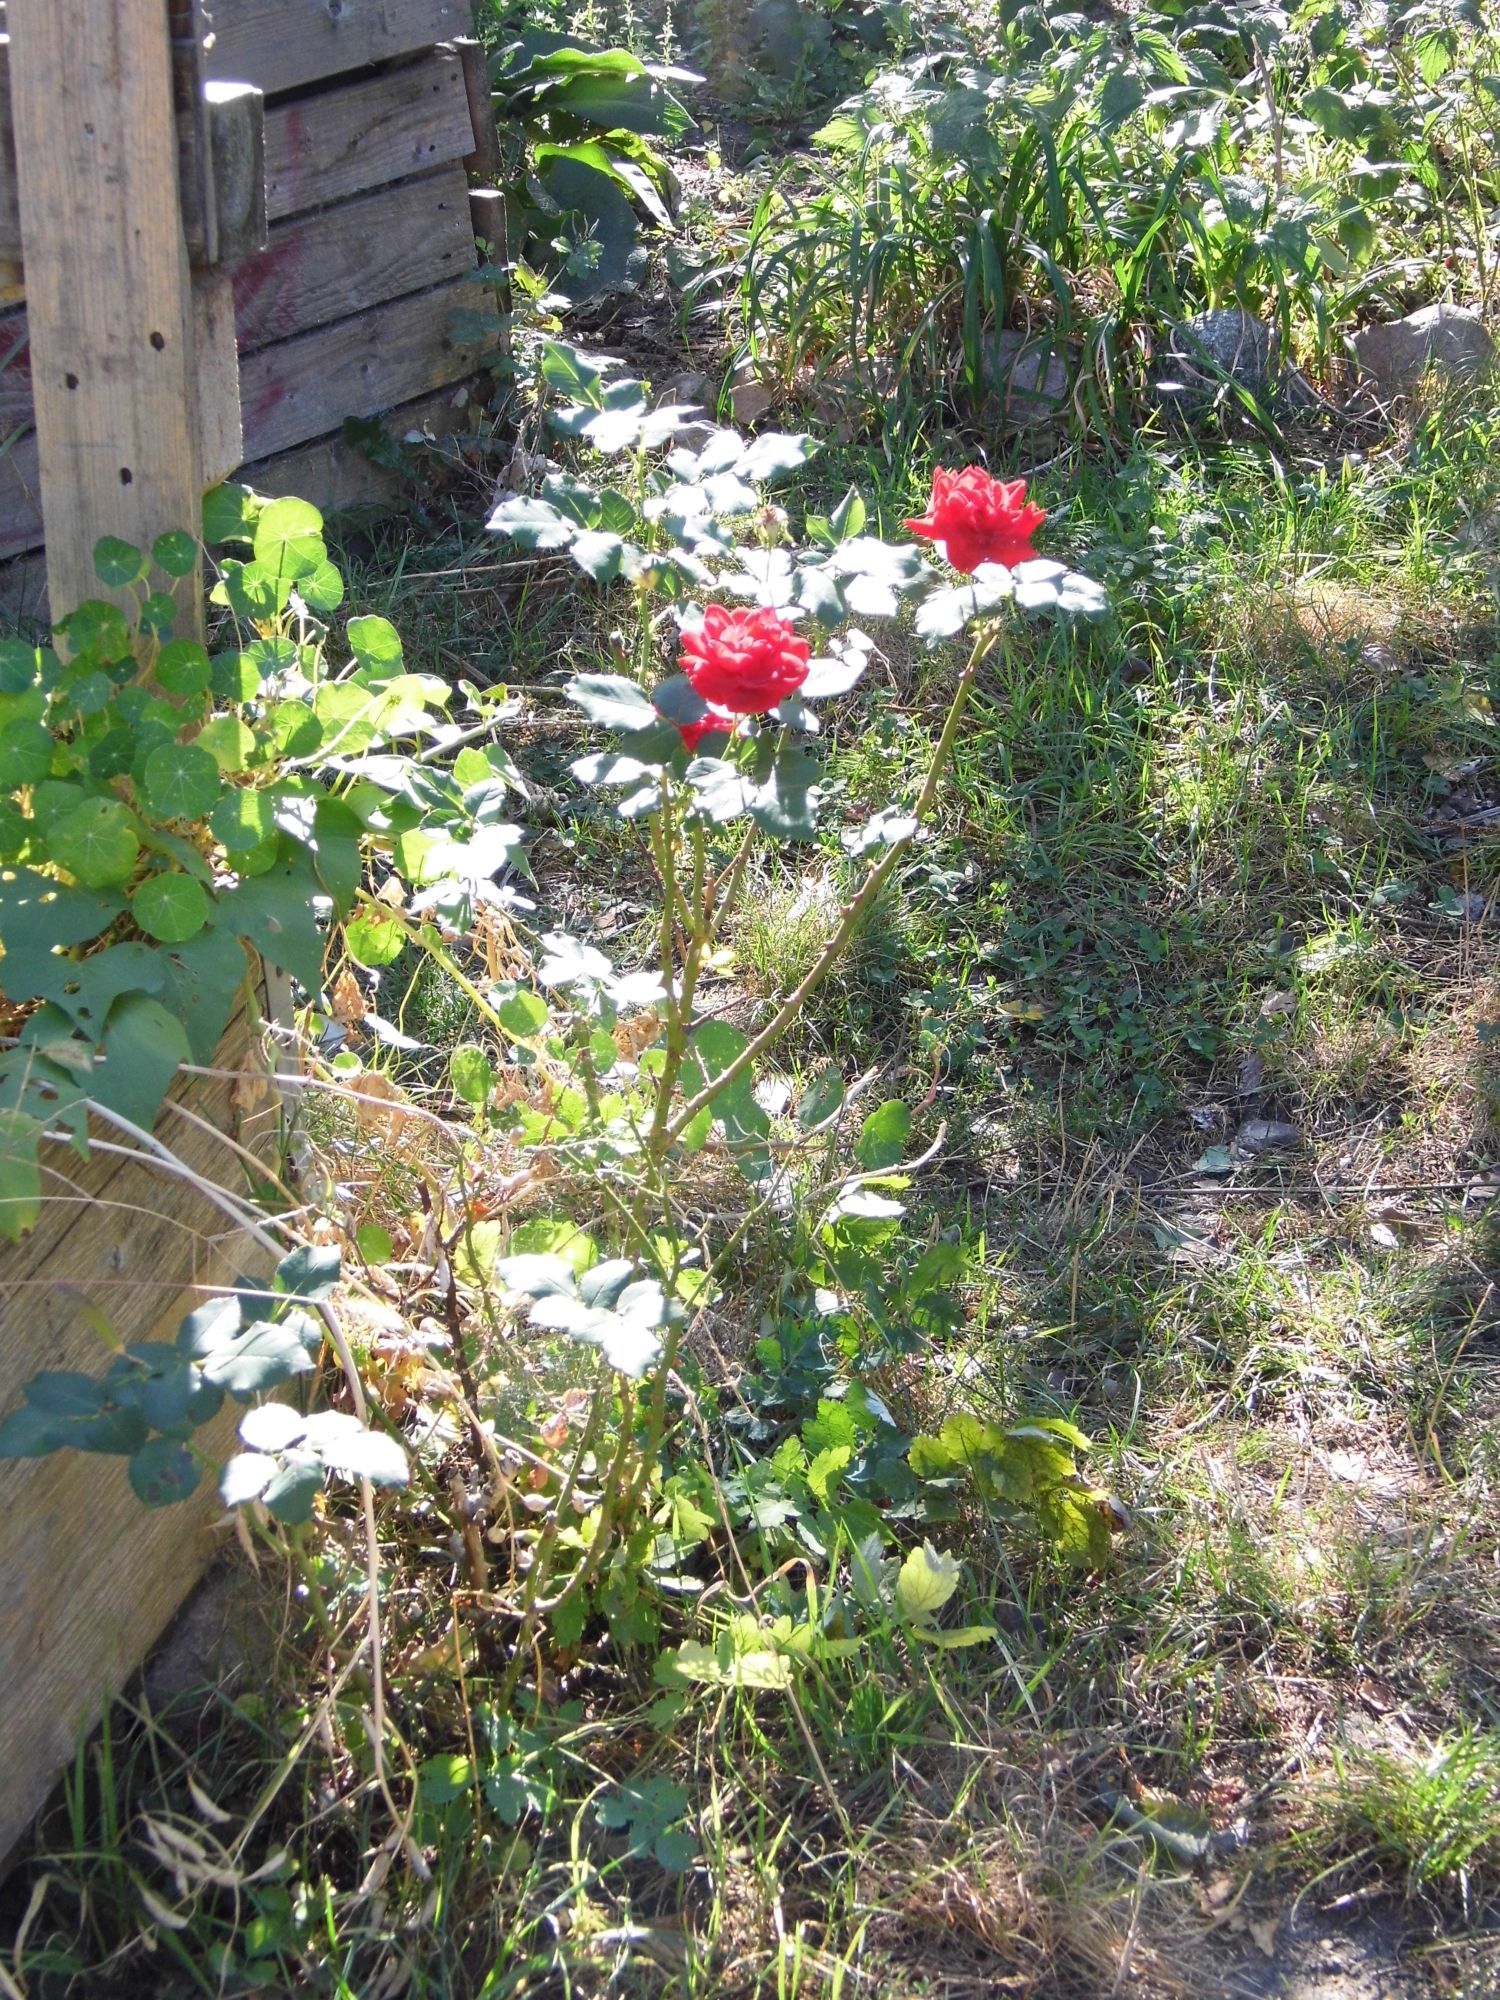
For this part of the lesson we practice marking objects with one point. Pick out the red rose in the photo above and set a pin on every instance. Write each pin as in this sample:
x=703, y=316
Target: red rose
x=693, y=733
x=975, y=519
x=744, y=661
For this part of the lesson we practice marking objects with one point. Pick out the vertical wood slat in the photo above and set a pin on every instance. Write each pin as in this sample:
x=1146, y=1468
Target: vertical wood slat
x=107, y=284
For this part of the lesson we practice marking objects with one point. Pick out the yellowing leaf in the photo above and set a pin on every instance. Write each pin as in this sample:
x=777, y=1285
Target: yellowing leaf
x=925, y=1583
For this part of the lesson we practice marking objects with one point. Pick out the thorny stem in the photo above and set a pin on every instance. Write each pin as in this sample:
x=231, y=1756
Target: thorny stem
x=854, y=911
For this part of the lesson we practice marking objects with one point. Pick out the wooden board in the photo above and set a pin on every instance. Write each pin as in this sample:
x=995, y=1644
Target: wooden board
x=343, y=141
x=335, y=474
x=89, y=1577
x=282, y=44
x=359, y=367
x=10, y=201
x=220, y=439
x=337, y=261
x=107, y=284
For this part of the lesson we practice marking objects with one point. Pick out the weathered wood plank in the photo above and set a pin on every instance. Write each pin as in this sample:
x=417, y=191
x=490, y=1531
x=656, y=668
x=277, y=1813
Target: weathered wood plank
x=342, y=142
x=335, y=474
x=283, y=44
x=88, y=1577
x=10, y=201
x=359, y=367
x=218, y=406
x=108, y=292
x=485, y=162
x=337, y=261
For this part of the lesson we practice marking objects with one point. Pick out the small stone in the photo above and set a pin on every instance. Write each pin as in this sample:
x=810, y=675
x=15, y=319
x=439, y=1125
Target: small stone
x=1028, y=377
x=1259, y=1135
x=1442, y=340
x=1214, y=347
x=750, y=401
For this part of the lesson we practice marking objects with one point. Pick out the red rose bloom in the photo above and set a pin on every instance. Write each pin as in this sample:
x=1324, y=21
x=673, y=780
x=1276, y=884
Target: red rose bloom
x=744, y=661
x=975, y=519
x=693, y=733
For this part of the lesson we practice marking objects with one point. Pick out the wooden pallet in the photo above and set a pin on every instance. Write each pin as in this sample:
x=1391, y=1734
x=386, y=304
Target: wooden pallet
x=352, y=307
x=88, y=1576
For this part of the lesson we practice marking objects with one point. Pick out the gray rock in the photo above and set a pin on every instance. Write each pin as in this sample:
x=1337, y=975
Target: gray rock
x=1029, y=378
x=1213, y=348
x=1443, y=340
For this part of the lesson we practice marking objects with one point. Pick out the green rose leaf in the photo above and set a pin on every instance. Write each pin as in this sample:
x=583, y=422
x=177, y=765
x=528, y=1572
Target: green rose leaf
x=611, y=701
x=97, y=843
x=163, y=1471
x=170, y=908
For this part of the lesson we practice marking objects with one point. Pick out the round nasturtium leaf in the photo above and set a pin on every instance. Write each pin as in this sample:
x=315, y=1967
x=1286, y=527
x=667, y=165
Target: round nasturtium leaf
x=242, y=820
x=170, y=908
x=472, y=1073
x=183, y=667
x=323, y=590
x=20, y=666
x=181, y=781
x=118, y=563
x=175, y=553
x=25, y=755
x=373, y=938
x=97, y=843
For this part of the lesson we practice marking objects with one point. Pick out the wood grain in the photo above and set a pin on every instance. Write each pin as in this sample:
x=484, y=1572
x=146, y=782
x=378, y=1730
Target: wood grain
x=335, y=474
x=359, y=367
x=282, y=44
x=360, y=135
x=107, y=284
x=342, y=260
x=88, y=1577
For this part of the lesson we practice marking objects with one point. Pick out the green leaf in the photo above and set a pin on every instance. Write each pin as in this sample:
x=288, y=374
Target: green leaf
x=322, y=589
x=524, y=1015
x=25, y=755
x=611, y=701
x=310, y=1273
x=925, y=1583
x=203, y=978
x=229, y=513
x=118, y=564
x=163, y=1471
x=245, y=1477
x=734, y=1107
x=289, y=539
x=786, y=804
x=376, y=937
x=227, y=740
x=20, y=1175
x=376, y=645
x=531, y=524
x=142, y=1047
x=175, y=553
x=97, y=843
x=275, y=911
x=181, y=781
x=242, y=820
x=472, y=1074
x=822, y=1100
x=170, y=908
x=883, y=1137
x=183, y=668
x=20, y=666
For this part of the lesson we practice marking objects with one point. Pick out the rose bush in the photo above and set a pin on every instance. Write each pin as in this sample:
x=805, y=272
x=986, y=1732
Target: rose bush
x=974, y=518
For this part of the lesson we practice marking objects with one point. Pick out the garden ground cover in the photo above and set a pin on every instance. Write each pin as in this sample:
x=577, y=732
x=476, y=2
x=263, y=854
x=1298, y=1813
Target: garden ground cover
x=1192, y=994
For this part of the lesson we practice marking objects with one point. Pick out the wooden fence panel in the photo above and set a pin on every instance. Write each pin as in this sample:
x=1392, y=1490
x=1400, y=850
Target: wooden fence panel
x=107, y=284
x=89, y=1577
x=342, y=260
x=282, y=44
x=359, y=367
x=344, y=141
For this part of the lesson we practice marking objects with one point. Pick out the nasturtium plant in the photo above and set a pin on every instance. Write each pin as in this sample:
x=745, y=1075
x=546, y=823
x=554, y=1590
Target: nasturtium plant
x=167, y=816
